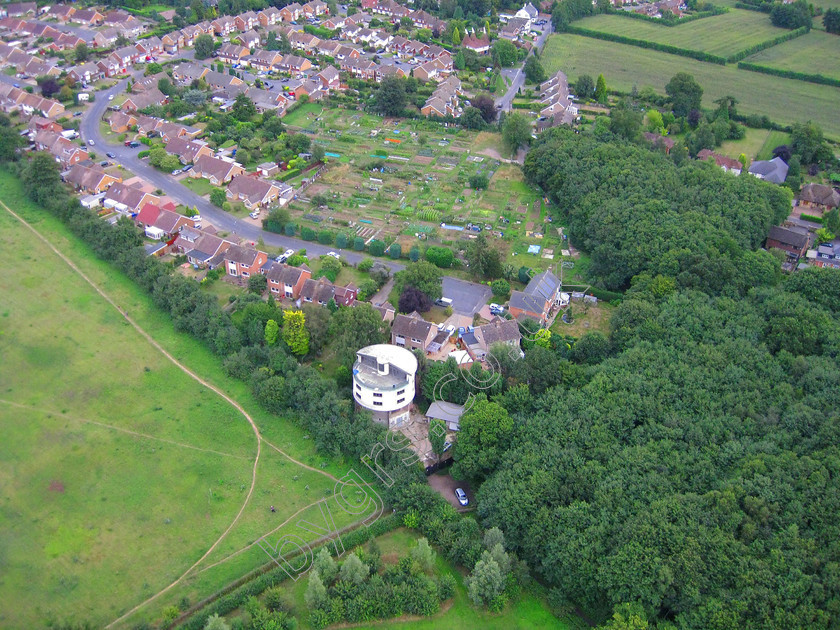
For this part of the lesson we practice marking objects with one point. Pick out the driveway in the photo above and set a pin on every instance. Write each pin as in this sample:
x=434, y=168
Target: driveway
x=445, y=486
x=467, y=297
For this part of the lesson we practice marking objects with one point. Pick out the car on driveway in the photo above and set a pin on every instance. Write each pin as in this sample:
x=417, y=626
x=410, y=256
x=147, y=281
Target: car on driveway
x=177, y=171
x=285, y=256
x=255, y=214
x=188, y=167
x=134, y=144
x=497, y=309
x=461, y=496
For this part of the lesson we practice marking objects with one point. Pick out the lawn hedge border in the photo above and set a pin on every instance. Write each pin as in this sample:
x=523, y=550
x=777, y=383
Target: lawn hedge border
x=665, y=22
x=768, y=44
x=789, y=74
x=643, y=43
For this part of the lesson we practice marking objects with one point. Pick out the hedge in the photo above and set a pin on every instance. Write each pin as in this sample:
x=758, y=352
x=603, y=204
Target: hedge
x=525, y=105
x=768, y=44
x=289, y=174
x=642, y=43
x=764, y=7
x=253, y=584
x=674, y=22
x=810, y=217
x=789, y=74
x=604, y=294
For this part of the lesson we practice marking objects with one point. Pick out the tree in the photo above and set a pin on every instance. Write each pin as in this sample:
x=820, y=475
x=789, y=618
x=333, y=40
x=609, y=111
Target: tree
x=585, y=87
x=354, y=328
x=440, y=256
x=218, y=197
x=10, y=141
x=482, y=439
x=625, y=121
x=655, y=123
x=82, y=52
x=534, y=72
x=500, y=288
x=194, y=98
x=424, y=555
x=437, y=435
x=216, y=623
x=456, y=37
x=414, y=253
x=492, y=537
x=685, y=94
x=295, y=334
x=479, y=181
x=316, y=593
x=390, y=99
x=459, y=62
x=243, y=108
x=272, y=332
x=485, y=261
x=257, y=283
x=824, y=236
x=627, y=617
x=353, y=570
x=524, y=275
x=504, y=53
x=831, y=220
x=486, y=581
x=486, y=105
x=49, y=86
x=472, y=118
x=794, y=15
x=808, y=142
x=325, y=565
x=423, y=276
x=601, y=89
x=203, y=46
x=516, y=131
x=831, y=21
x=413, y=299
x=542, y=338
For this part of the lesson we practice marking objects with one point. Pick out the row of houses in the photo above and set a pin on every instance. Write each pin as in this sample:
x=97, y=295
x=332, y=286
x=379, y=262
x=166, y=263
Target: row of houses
x=14, y=99
x=444, y=100
x=556, y=106
x=24, y=63
x=395, y=12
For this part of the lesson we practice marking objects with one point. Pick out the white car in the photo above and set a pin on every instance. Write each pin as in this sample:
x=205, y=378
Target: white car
x=91, y=143
x=334, y=255
x=254, y=214
x=110, y=97
x=285, y=256
x=461, y=496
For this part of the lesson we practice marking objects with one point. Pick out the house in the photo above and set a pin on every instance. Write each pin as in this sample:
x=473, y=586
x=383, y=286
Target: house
x=819, y=197
x=90, y=179
x=249, y=39
x=291, y=12
x=422, y=19
x=432, y=70
x=346, y=295
x=303, y=41
x=223, y=26
x=269, y=17
x=527, y=12
x=268, y=169
x=660, y=141
x=538, y=298
x=293, y=63
x=726, y=163
x=827, y=255
x=435, y=107
x=388, y=71
x=515, y=28
x=412, y=331
x=449, y=412
x=15, y=9
x=794, y=241
x=200, y=247
x=136, y=102
x=126, y=57
x=504, y=331
x=243, y=261
x=216, y=170
x=63, y=150
x=170, y=131
x=128, y=199
x=172, y=42
x=265, y=59
x=387, y=311
x=252, y=191
x=360, y=68
x=61, y=12
x=231, y=53
x=39, y=123
x=219, y=81
x=319, y=291
x=87, y=17
x=315, y=8
x=187, y=151
x=189, y=72
x=311, y=89
x=329, y=78
x=86, y=72
x=105, y=38
x=150, y=46
x=147, y=124
x=246, y=21
x=126, y=23
x=120, y=122
x=479, y=45
x=147, y=216
x=287, y=281
x=774, y=171
x=168, y=224
x=384, y=382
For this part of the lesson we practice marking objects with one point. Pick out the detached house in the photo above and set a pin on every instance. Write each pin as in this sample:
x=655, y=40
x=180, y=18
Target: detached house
x=538, y=299
x=500, y=330
x=243, y=261
x=218, y=171
x=136, y=102
x=223, y=26
x=479, y=45
x=774, y=171
x=252, y=191
x=188, y=151
x=200, y=247
x=128, y=199
x=412, y=331
x=65, y=152
x=246, y=21
x=87, y=17
x=794, y=241
x=92, y=180
x=287, y=281
x=726, y=163
x=819, y=197
x=269, y=17
x=86, y=72
x=319, y=291
x=291, y=12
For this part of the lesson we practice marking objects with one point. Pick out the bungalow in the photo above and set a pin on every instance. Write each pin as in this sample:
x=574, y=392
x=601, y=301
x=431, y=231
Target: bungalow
x=147, y=124
x=218, y=171
x=827, y=255
x=187, y=150
x=243, y=261
x=412, y=332
x=128, y=198
x=478, y=45
x=268, y=169
x=231, y=53
x=287, y=281
x=136, y=102
x=794, y=241
x=142, y=84
x=88, y=17
x=219, y=81
x=199, y=247
x=90, y=179
x=774, y=171
x=252, y=191
x=246, y=21
x=61, y=12
x=819, y=197
x=538, y=298
x=189, y=72
x=726, y=163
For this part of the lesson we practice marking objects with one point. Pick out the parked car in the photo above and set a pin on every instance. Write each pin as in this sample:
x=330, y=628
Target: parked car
x=497, y=309
x=188, y=167
x=91, y=143
x=104, y=163
x=446, y=446
x=134, y=144
x=177, y=171
x=255, y=214
x=285, y=256
x=110, y=97
x=334, y=255
x=77, y=114
x=110, y=155
x=461, y=496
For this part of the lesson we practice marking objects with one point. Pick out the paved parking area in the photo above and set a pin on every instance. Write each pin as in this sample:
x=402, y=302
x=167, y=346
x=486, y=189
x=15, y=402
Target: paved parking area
x=467, y=297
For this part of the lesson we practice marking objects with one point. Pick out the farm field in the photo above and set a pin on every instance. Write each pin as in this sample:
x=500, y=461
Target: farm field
x=529, y=612
x=814, y=53
x=400, y=180
x=783, y=100
x=113, y=454
x=722, y=35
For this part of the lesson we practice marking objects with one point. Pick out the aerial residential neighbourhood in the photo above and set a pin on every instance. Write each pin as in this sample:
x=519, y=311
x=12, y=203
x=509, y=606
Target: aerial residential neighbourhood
x=420, y=314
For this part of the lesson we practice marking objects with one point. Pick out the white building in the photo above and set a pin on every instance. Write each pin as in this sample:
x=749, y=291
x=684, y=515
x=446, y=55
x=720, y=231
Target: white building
x=383, y=382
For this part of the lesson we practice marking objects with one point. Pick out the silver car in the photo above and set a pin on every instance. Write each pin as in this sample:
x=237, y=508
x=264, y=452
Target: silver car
x=461, y=496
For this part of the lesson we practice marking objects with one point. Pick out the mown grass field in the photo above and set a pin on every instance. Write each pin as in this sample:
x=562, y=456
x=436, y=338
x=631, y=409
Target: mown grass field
x=529, y=612
x=784, y=100
x=722, y=35
x=757, y=144
x=814, y=53
x=119, y=470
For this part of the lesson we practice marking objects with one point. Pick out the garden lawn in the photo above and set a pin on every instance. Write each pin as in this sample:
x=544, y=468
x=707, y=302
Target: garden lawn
x=94, y=518
x=783, y=100
x=722, y=35
x=198, y=185
x=814, y=53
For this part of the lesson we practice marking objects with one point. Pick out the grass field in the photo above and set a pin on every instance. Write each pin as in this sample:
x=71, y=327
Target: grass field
x=120, y=471
x=529, y=612
x=722, y=35
x=814, y=53
x=783, y=100
x=757, y=144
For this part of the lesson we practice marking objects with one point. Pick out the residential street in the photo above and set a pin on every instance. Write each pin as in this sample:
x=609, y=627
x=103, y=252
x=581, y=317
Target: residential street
x=517, y=76
x=467, y=297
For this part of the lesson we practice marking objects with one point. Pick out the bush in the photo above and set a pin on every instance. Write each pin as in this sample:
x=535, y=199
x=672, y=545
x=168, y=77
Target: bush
x=289, y=229
x=376, y=248
x=325, y=237
x=789, y=74
x=642, y=43
x=395, y=251
x=479, y=181
x=308, y=234
x=359, y=244
x=341, y=240
x=440, y=256
x=500, y=288
x=365, y=265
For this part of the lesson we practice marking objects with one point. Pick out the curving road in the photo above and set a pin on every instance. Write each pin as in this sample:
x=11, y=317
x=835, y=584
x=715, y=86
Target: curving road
x=517, y=75
x=467, y=297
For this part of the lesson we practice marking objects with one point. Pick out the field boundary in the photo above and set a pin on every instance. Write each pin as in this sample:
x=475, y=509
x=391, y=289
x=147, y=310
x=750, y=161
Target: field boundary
x=819, y=79
x=786, y=37
x=718, y=10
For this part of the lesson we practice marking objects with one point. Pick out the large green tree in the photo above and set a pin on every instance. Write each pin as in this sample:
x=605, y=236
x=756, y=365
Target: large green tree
x=483, y=437
x=423, y=276
x=390, y=98
x=516, y=131
x=685, y=93
x=203, y=46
